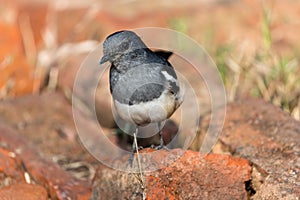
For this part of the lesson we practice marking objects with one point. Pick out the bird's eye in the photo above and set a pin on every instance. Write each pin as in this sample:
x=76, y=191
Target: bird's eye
x=124, y=45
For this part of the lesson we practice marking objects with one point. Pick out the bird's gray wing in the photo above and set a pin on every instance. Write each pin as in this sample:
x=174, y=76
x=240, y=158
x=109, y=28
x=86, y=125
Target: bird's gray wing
x=139, y=84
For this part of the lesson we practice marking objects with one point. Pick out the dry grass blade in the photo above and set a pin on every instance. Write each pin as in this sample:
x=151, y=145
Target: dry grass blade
x=28, y=38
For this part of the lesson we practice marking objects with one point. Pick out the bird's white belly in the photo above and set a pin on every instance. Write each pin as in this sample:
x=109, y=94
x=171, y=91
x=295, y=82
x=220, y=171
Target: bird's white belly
x=143, y=113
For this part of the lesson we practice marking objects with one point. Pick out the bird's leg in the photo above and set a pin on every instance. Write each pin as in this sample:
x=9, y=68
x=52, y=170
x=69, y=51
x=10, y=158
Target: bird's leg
x=140, y=171
x=134, y=147
x=161, y=143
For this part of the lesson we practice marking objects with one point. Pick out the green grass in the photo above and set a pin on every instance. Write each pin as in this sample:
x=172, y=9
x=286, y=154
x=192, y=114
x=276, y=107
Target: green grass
x=220, y=54
x=266, y=32
x=268, y=75
x=180, y=24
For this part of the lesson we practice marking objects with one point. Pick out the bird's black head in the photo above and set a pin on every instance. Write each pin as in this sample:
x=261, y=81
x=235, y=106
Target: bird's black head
x=120, y=43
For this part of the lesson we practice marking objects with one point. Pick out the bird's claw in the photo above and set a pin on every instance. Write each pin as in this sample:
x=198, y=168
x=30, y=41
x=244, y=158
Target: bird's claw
x=159, y=147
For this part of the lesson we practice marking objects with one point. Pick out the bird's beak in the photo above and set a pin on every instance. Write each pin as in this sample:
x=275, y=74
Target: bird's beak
x=104, y=59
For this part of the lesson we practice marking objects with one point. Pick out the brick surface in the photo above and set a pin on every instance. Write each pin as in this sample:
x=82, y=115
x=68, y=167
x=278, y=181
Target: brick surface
x=192, y=176
x=23, y=191
x=269, y=138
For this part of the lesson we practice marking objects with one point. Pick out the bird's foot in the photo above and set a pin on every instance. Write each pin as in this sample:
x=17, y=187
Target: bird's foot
x=159, y=147
x=140, y=148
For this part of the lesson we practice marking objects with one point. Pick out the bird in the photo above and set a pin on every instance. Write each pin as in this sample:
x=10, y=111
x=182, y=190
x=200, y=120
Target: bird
x=143, y=84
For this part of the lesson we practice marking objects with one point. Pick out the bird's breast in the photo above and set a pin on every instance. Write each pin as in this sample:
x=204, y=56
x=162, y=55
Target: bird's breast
x=143, y=113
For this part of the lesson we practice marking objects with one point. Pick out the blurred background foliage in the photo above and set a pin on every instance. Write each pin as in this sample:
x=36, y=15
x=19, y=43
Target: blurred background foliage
x=255, y=44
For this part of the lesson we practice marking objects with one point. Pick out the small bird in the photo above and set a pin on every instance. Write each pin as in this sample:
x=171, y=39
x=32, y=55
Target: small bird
x=143, y=83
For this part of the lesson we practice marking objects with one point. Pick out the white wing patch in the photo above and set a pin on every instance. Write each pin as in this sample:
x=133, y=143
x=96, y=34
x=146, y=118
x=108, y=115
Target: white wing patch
x=168, y=76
